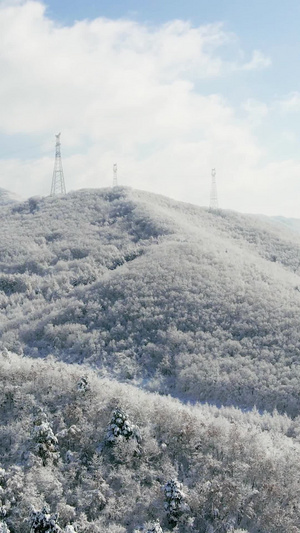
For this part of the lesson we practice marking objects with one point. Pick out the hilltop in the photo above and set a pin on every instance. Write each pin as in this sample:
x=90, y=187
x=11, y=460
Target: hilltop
x=165, y=295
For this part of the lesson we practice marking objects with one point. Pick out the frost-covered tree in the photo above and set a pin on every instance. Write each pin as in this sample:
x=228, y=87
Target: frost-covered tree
x=69, y=529
x=174, y=501
x=3, y=510
x=43, y=522
x=46, y=442
x=235, y=464
x=4, y=528
x=238, y=344
x=121, y=428
x=83, y=384
x=150, y=527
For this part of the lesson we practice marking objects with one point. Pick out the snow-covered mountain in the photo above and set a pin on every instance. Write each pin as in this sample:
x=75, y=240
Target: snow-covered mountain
x=133, y=310
x=203, y=305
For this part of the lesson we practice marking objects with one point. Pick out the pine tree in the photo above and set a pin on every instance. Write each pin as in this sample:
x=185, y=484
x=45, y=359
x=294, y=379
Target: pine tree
x=46, y=442
x=43, y=522
x=83, y=384
x=120, y=427
x=173, y=501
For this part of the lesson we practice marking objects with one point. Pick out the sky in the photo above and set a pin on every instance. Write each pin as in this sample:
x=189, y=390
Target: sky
x=165, y=89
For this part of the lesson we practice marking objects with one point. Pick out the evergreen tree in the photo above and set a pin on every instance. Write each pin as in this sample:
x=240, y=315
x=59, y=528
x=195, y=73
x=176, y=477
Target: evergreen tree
x=173, y=501
x=120, y=427
x=83, y=384
x=43, y=522
x=46, y=442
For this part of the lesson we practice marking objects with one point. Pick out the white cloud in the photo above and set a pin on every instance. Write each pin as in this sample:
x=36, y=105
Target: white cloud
x=110, y=70
x=256, y=111
x=289, y=136
x=272, y=189
x=258, y=61
x=124, y=92
x=291, y=103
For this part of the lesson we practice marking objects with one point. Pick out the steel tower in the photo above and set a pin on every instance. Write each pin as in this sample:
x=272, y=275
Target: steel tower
x=115, y=178
x=213, y=191
x=58, y=180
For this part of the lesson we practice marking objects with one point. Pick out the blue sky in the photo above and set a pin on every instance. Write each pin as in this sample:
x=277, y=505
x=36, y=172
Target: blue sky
x=167, y=89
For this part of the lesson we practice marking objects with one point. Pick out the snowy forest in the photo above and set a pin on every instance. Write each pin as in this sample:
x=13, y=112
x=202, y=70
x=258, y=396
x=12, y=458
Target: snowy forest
x=149, y=361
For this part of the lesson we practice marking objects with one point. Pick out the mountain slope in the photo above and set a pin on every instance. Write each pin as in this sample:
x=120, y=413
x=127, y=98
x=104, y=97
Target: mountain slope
x=237, y=470
x=204, y=305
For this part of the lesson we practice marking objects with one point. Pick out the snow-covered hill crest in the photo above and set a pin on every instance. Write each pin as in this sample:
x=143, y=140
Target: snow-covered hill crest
x=203, y=305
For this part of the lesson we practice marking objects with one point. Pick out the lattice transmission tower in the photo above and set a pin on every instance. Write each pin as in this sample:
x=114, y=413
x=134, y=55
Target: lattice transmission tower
x=213, y=204
x=58, y=180
x=115, y=177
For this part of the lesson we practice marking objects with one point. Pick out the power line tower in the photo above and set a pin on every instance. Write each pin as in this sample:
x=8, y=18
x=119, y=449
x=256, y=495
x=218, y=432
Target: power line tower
x=213, y=191
x=115, y=178
x=58, y=180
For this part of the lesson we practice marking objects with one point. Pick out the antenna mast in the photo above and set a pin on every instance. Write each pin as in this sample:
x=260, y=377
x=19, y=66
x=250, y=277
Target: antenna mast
x=213, y=192
x=115, y=178
x=58, y=180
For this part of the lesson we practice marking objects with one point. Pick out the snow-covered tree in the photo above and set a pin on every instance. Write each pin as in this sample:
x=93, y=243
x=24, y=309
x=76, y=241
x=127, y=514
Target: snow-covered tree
x=4, y=528
x=69, y=529
x=46, y=442
x=174, y=500
x=43, y=522
x=121, y=428
x=83, y=384
x=150, y=527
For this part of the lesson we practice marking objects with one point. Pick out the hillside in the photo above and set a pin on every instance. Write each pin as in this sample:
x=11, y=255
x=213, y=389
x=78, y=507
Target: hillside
x=171, y=297
x=233, y=472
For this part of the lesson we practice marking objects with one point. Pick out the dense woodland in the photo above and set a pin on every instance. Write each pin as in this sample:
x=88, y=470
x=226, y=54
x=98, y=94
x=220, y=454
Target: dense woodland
x=234, y=470
x=149, y=368
x=202, y=305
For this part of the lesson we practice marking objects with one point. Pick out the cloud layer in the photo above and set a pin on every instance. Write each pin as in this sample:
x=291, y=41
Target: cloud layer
x=128, y=93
